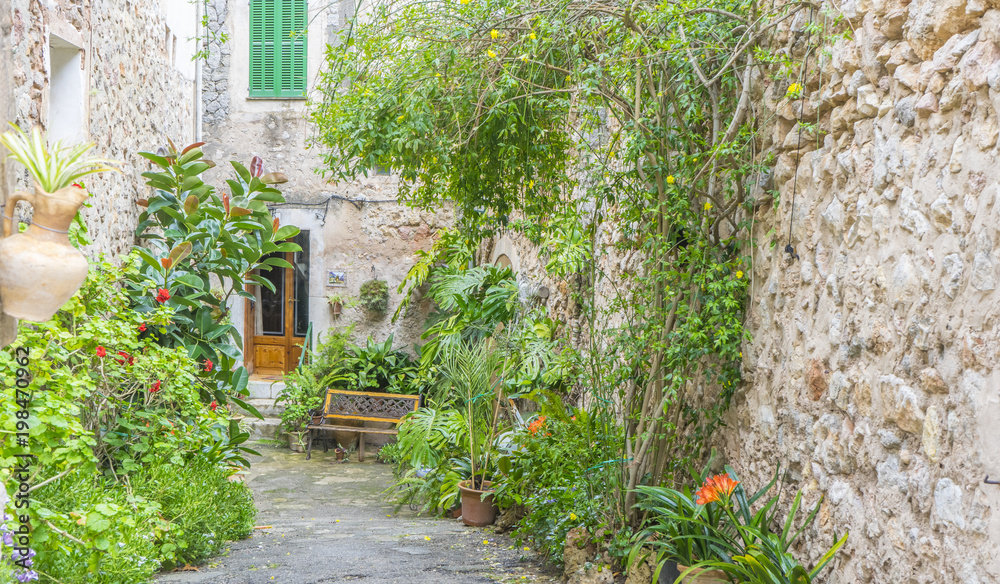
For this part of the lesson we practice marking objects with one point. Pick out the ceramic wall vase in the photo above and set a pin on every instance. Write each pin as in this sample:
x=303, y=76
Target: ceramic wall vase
x=40, y=269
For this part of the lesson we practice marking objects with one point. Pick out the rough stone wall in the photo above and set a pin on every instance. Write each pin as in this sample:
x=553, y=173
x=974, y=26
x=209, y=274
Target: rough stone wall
x=873, y=371
x=215, y=86
x=136, y=100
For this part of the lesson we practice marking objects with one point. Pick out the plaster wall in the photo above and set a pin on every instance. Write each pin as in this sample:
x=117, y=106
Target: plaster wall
x=354, y=226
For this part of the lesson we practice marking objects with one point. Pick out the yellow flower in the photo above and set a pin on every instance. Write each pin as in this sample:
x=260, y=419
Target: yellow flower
x=532, y=36
x=794, y=90
x=338, y=521
x=708, y=206
x=524, y=58
x=572, y=516
x=739, y=274
x=494, y=34
x=427, y=537
x=464, y=1
x=527, y=549
x=670, y=179
x=491, y=54
x=400, y=118
x=486, y=542
x=531, y=184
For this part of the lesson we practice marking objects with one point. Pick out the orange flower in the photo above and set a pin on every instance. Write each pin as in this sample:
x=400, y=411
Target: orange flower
x=536, y=425
x=715, y=489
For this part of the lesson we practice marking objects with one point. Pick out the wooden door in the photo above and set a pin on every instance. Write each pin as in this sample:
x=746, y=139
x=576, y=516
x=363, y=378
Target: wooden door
x=277, y=321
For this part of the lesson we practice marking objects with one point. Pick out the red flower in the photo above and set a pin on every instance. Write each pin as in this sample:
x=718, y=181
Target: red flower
x=101, y=352
x=142, y=327
x=162, y=295
x=78, y=185
x=156, y=387
x=716, y=489
x=212, y=406
x=209, y=365
x=123, y=357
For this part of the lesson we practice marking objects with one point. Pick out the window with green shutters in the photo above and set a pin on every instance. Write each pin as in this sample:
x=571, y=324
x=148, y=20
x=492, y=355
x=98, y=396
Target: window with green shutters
x=278, y=48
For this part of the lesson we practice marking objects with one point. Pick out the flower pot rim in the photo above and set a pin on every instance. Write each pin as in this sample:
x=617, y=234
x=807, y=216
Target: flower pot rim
x=462, y=485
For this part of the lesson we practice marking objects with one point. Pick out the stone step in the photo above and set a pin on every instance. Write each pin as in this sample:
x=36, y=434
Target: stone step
x=265, y=388
x=265, y=406
x=266, y=428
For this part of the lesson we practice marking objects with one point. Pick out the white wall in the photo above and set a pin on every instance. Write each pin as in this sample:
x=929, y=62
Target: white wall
x=183, y=20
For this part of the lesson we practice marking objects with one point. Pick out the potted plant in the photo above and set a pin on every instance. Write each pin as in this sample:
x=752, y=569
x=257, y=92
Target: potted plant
x=40, y=269
x=341, y=453
x=472, y=371
x=374, y=296
x=301, y=399
x=340, y=301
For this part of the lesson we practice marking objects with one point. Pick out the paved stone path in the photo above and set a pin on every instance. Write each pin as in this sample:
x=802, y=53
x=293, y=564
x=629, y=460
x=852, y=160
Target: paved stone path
x=329, y=522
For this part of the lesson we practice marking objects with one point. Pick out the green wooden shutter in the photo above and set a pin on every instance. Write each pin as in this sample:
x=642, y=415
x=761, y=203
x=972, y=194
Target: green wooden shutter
x=292, y=74
x=278, y=48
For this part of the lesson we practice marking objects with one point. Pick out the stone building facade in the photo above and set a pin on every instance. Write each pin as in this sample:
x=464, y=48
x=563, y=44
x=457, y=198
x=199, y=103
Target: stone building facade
x=356, y=230
x=120, y=73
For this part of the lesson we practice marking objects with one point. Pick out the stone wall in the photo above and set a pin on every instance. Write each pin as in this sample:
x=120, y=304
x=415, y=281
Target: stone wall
x=135, y=97
x=872, y=375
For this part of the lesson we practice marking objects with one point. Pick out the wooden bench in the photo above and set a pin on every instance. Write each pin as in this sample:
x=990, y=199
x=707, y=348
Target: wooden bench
x=365, y=407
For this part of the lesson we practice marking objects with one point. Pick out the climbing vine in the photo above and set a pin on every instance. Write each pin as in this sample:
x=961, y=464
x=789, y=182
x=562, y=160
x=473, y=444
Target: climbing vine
x=606, y=133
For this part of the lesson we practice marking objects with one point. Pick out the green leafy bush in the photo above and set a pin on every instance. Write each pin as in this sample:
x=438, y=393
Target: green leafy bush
x=558, y=476
x=374, y=296
x=196, y=235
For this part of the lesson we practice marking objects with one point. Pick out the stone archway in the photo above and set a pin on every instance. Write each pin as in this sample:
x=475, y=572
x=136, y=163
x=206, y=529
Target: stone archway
x=505, y=254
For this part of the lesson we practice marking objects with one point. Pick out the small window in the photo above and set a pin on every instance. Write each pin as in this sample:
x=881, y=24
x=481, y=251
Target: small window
x=278, y=48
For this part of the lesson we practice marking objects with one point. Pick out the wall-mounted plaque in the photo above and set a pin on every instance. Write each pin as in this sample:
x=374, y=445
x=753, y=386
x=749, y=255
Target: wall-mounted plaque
x=336, y=278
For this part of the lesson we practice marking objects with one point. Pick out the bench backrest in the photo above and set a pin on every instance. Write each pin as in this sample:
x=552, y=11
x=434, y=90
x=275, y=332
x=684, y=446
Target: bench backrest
x=364, y=405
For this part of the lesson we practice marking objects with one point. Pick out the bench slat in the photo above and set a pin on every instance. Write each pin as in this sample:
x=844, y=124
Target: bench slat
x=356, y=429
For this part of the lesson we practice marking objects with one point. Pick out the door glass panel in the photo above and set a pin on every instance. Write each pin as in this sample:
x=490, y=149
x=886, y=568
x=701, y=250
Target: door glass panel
x=300, y=260
x=272, y=304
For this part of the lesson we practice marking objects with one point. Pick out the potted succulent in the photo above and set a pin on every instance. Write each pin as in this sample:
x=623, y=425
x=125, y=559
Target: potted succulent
x=40, y=269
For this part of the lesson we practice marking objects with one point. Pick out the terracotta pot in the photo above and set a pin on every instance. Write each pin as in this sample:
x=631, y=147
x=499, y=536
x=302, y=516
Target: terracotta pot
x=337, y=308
x=295, y=441
x=39, y=269
x=477, y=511
x=700, y=576
x=341, y=453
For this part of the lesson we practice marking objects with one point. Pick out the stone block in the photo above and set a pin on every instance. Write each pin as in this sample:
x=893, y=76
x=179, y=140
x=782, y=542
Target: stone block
x=948, y=507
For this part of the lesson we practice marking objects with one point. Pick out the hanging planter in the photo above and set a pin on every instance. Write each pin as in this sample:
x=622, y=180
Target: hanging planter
x=40, y=269
x=374, y=296
x=338, y=302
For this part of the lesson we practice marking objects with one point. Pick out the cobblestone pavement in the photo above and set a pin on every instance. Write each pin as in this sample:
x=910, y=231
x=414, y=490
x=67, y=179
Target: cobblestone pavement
x=323, y=521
